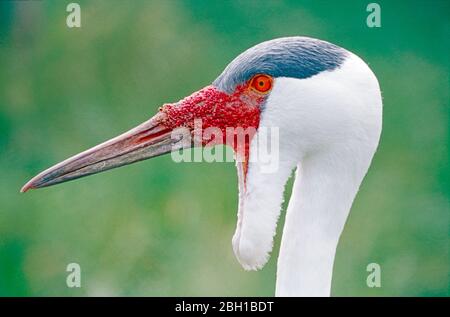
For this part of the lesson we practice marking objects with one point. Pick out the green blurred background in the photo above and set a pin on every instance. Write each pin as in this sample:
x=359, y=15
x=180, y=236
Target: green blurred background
x=160, y=228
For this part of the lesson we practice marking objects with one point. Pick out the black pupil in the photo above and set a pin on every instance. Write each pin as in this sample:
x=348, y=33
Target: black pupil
x=261, y=83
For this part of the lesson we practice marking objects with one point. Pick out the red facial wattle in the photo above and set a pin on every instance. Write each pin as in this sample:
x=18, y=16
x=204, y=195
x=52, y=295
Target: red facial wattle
x=217, y=109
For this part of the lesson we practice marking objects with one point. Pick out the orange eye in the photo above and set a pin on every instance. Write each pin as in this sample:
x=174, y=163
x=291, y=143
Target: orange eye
x=262, y=83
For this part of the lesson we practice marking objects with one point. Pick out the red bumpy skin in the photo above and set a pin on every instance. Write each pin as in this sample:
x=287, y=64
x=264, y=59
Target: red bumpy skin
x=215, y=108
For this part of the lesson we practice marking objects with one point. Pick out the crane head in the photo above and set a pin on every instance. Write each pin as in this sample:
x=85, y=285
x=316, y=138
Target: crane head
x=321, y=97
x=235, y=99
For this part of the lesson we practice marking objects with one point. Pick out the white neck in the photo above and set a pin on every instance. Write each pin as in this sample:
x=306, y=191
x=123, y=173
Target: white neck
x=331, y=124
x=323, y=192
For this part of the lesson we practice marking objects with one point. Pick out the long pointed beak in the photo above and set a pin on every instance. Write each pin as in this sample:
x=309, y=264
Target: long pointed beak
x=149, y=139
x=160, y=134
